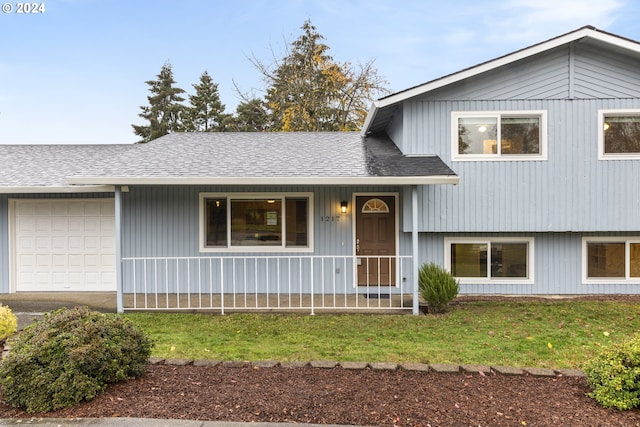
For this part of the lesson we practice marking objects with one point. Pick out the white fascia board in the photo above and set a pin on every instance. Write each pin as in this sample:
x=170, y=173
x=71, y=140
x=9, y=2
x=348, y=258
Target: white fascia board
x=58, y=189
x=373, y=112
x=295, y=180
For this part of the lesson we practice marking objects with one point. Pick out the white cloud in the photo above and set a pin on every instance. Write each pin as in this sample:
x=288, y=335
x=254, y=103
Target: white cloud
x=533, y=21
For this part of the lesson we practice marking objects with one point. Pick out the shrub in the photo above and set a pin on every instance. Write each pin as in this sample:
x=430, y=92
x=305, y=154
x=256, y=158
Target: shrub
x=437, y=287
x=614, y=375
x=70, y=356
x=8, y=322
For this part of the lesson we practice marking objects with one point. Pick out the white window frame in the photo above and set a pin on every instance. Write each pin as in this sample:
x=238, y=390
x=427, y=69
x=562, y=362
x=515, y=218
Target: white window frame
x=448, y=241
x=253, y=249
x=455, y=156
x=627, y=240
x=614, y=156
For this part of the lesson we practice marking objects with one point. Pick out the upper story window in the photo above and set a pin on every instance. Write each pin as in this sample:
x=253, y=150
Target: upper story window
x=255, y=222
x=618, y=134
x=491, y=135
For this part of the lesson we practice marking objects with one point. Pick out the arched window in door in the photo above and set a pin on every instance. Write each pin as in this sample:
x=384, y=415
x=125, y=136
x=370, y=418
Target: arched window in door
x=375, y=206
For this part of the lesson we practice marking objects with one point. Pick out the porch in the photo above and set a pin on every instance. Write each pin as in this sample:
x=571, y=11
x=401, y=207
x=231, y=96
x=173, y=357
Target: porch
x=307, y=283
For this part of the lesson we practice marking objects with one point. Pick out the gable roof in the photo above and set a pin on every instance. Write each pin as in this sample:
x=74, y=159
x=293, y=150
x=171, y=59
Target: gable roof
x=383, y=109
x=265, y=158
x=269, y=158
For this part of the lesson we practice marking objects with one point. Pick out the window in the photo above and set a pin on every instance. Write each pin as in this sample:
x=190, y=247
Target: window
x=499, y=136
x=619, y=134
x=611, y=259
x=490, y=260
x=255, y=222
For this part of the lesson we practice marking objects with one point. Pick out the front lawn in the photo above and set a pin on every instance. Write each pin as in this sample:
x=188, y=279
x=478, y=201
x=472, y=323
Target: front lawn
x=550, y=334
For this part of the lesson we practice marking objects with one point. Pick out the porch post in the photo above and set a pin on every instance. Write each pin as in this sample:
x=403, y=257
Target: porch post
x=118, y=214
x=414, y=244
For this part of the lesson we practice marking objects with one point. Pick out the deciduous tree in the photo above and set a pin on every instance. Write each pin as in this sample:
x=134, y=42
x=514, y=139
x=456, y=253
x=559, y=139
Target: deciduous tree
x=308, y=91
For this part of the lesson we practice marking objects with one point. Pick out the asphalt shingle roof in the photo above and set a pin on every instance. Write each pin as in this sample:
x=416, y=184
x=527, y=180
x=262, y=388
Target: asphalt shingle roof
x=228, y=154
x=316, y=155
x=48, y=166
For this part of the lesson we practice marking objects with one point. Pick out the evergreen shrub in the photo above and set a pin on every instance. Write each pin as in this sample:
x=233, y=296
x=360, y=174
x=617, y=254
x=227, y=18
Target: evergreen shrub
x=70, y=356
x=614, y=375
x=8, y=322
x=437, y=287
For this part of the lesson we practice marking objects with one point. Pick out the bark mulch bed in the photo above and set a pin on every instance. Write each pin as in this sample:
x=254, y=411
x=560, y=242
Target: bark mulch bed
x=347, y=396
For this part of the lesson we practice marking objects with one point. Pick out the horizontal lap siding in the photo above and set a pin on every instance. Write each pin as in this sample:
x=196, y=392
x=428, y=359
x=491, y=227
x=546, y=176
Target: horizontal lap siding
x=544, y=78
x=604, y=74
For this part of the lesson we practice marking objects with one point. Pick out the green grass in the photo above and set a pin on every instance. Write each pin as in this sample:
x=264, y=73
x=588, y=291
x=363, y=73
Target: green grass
x=554, y=334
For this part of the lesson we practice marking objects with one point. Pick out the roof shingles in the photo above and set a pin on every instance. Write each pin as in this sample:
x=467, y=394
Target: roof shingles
x=215, y=155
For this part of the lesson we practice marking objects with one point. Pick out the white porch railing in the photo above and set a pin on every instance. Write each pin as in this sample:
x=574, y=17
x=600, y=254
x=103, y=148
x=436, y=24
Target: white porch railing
x=242, y=283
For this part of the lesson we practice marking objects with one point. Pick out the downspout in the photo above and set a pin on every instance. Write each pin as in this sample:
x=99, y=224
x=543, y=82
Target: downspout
x=118, y=214
x=414, y=244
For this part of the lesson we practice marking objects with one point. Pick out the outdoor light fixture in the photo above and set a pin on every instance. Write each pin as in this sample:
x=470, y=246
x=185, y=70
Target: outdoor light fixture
x=343, y=206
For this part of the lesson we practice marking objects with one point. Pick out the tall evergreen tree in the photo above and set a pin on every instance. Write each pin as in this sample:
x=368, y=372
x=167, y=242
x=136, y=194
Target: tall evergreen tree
x=250, y=116
x=205, y=112
x=164, y=109
x=309, y=91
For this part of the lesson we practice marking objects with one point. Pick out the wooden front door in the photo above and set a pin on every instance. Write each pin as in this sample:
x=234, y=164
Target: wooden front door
x=376, y=240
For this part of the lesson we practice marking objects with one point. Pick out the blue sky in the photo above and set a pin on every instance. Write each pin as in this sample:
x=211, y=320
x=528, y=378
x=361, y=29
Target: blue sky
x=75, y=74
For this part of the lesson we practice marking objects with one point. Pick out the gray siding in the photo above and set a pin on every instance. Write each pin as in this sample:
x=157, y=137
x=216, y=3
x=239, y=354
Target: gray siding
x=602, y=73
x=164, y=222
x=4, y=244
x=576, y=71
x=571, y=191
x=557, y=266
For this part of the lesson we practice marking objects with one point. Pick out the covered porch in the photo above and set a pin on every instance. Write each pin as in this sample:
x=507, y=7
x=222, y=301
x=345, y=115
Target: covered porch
x=216, y=224
x=307, y=283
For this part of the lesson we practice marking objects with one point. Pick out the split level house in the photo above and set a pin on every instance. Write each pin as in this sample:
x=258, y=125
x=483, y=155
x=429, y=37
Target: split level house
x=520, y=175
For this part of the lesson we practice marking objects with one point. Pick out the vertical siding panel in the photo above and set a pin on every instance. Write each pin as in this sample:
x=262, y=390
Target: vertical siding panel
x=4, y=244
x=571, y=190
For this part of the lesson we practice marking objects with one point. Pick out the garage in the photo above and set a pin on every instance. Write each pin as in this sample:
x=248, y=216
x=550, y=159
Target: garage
x=63, y=245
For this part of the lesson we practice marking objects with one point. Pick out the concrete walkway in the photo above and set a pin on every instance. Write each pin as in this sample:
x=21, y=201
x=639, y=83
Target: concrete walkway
x=32, y=307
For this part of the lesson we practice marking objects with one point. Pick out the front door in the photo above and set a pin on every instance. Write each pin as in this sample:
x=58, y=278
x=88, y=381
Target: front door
x=376, y=240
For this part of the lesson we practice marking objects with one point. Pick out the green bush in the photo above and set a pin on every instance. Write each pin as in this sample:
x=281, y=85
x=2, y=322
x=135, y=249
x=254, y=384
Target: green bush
x=8, y=322
x=437, y=287
x=614, y=375
x=70, y=356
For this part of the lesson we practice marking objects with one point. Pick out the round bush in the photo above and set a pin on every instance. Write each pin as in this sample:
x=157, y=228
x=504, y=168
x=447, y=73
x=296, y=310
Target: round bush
x=614, y=375
x=437, y=287
x=70, y=356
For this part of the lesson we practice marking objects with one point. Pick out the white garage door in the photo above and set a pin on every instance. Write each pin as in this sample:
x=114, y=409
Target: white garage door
x=64, y=245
